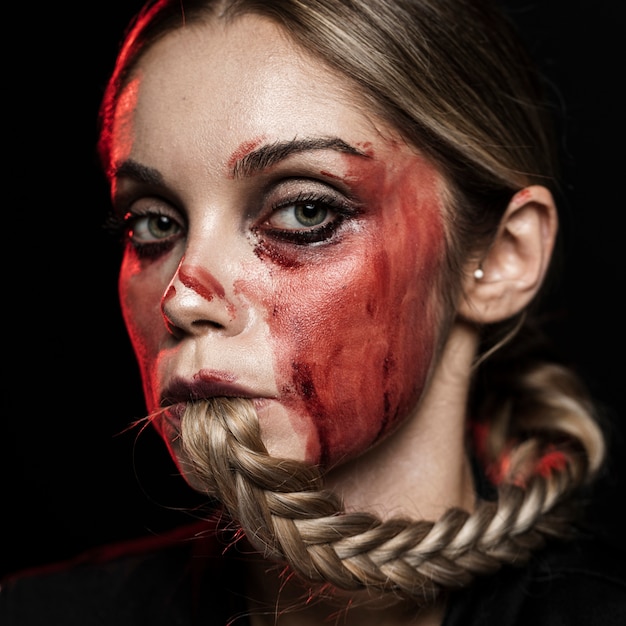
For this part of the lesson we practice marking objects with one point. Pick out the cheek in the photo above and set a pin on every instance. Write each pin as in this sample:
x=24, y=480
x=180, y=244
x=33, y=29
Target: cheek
x=355, y=335
x=140, y=297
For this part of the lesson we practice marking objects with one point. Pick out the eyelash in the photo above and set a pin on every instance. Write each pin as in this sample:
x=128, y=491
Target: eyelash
x=308, y=235
x=122, y=225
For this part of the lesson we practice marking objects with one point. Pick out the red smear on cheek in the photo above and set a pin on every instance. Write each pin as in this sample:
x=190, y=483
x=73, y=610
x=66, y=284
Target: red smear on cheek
x=354, y=327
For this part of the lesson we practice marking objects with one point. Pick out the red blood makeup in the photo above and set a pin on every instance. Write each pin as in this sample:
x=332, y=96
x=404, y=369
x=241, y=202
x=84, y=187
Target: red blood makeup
x=281, y=237
x=353, y=325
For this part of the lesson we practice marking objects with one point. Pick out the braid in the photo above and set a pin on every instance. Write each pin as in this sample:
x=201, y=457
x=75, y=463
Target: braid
x=285, y=512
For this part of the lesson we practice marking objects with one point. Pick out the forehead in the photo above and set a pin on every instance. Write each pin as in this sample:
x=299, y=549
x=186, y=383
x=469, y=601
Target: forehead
x=231, y=82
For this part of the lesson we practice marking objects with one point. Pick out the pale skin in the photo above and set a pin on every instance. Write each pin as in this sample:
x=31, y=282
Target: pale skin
x=234, y=292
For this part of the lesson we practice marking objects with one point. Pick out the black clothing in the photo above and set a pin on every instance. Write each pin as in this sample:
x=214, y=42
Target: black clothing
x=190, y=579
x=582, y=583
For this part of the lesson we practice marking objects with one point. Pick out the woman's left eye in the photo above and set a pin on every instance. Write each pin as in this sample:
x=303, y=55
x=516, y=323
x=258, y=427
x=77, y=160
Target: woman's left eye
x=301, y=215
x=307, y=218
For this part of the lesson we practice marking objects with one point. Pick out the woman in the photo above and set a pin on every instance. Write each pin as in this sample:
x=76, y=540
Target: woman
x=337, y=219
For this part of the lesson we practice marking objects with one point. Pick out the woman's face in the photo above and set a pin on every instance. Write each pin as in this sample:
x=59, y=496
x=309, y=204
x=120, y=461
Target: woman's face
x=283, y=245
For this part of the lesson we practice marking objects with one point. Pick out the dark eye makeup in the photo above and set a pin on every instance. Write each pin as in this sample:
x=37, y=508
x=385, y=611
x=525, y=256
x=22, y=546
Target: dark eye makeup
x=309, y=217
x=296, y=212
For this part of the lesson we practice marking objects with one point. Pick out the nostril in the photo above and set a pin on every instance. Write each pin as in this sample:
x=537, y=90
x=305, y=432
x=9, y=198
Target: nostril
x=208, y=324
x=179, y=332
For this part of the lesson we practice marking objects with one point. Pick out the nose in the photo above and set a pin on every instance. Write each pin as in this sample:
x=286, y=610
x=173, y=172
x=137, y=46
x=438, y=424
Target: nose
x=195, y=302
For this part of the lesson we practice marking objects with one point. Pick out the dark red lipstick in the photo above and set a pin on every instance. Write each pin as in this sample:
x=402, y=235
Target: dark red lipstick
x=204, y=384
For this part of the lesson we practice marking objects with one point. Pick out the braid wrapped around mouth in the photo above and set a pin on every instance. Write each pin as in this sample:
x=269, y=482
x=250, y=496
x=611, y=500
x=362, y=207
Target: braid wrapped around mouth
x=286, y=513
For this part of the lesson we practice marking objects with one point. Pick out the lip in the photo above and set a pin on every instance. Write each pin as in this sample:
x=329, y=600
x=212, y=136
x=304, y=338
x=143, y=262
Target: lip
x=205, y=384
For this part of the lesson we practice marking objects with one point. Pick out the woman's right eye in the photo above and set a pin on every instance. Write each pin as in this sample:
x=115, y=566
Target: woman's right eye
x=150, y=228
x=151, y=232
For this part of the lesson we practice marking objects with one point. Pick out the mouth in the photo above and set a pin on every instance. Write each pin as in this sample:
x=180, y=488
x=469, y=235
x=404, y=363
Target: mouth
x=204, y=385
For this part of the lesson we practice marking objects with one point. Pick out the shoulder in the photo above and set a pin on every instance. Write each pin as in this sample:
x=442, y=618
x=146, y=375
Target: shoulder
x=573, y=583
x=154, y=577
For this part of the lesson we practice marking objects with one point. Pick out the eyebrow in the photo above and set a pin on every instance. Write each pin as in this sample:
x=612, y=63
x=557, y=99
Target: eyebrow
x=261, y=158
x=267, y=155
x=141, y=173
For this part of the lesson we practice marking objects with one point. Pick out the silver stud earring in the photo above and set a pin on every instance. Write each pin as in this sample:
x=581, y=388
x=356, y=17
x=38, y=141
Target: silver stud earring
x=478, y=273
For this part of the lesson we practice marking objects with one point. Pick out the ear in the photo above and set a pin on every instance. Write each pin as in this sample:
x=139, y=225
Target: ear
x=513, y=268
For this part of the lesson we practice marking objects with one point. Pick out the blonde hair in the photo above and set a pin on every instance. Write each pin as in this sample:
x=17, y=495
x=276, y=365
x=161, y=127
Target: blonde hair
x=289, y=517
x=452, y=78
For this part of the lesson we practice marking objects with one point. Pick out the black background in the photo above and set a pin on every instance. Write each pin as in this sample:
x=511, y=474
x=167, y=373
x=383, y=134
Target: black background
x=72, y=477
